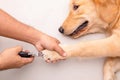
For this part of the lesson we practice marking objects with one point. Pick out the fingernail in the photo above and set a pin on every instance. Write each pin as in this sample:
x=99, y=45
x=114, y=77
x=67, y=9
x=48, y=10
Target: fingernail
x=64, y=54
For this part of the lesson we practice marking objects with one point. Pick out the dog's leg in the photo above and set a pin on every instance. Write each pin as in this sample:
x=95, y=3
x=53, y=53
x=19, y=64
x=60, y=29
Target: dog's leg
x=111, y=67
x=109, y=47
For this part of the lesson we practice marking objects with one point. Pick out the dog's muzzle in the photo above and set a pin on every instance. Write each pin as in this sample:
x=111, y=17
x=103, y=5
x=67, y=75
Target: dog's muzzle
x=76, y=31
x=82, y=26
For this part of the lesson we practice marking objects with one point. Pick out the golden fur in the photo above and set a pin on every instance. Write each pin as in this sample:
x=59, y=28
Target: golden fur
x=93, y=16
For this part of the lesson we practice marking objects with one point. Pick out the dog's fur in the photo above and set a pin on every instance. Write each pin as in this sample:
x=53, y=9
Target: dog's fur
x=102, y=16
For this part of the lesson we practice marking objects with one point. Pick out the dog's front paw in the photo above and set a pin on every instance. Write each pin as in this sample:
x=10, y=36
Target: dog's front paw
x=51, y=56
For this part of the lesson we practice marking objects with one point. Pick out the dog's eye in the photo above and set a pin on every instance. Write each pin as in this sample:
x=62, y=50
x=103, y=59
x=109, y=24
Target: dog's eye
x=75, y=7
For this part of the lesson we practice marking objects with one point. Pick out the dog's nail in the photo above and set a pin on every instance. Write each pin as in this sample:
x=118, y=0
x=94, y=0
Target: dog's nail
x=48, y=59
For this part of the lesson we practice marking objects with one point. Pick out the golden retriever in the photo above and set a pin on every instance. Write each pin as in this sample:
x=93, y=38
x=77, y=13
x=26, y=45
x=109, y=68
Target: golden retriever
x=93, y=16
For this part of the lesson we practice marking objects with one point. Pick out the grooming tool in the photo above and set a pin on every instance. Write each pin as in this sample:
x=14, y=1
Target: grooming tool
x=30, y=54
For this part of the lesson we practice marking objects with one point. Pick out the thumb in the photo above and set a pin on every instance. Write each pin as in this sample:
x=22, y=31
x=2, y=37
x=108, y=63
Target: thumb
x=18, y=49
x=39, y=47
x=60, y=51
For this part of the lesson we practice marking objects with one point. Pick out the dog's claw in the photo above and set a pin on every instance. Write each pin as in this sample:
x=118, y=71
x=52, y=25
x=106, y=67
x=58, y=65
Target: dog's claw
x=48, y=59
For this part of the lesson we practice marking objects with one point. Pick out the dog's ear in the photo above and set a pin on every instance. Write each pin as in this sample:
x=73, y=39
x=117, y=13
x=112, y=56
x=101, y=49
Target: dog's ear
x=99, y=1
x=107, y=9
x=105, y=2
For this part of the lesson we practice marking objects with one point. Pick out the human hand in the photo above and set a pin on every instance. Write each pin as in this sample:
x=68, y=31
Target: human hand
x=52, y=56
x=9, y=58
x=49, y=43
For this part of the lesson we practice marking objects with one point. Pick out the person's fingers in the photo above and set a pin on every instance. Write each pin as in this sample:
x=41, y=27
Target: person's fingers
x=27, y=60
x=27, y=51
x=60, y=51
x=58, y=41
x=39, y=47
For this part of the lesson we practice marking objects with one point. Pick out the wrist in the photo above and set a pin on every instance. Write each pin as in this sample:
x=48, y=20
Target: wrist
x=32, y=35
x=36, y=37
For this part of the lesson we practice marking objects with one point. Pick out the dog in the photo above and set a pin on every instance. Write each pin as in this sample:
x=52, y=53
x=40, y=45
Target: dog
x=88, y=17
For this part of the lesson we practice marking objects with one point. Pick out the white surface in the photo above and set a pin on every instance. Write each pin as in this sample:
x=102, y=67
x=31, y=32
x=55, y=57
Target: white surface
x=47, y=16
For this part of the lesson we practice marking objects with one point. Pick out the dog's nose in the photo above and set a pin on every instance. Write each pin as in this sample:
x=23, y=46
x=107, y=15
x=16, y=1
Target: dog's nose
x=61, y=30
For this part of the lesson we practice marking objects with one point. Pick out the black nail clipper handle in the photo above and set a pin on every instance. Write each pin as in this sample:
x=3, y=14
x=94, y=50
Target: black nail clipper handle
x=24, y=54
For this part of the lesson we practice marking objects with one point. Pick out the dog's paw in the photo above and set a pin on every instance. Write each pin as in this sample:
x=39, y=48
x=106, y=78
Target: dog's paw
x=51, y=56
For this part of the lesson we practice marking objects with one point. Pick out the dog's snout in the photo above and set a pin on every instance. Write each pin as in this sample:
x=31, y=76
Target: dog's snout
x=61, y=30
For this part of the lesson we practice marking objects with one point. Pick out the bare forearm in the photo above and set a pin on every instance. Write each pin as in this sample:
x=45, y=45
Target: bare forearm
x=10, y=27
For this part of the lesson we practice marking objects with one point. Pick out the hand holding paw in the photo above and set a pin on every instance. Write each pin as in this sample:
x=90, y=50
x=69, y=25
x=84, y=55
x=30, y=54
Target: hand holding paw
x=52, y=56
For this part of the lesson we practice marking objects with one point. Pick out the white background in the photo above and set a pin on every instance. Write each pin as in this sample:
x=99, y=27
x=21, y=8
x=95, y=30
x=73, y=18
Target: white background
x=47, y=16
